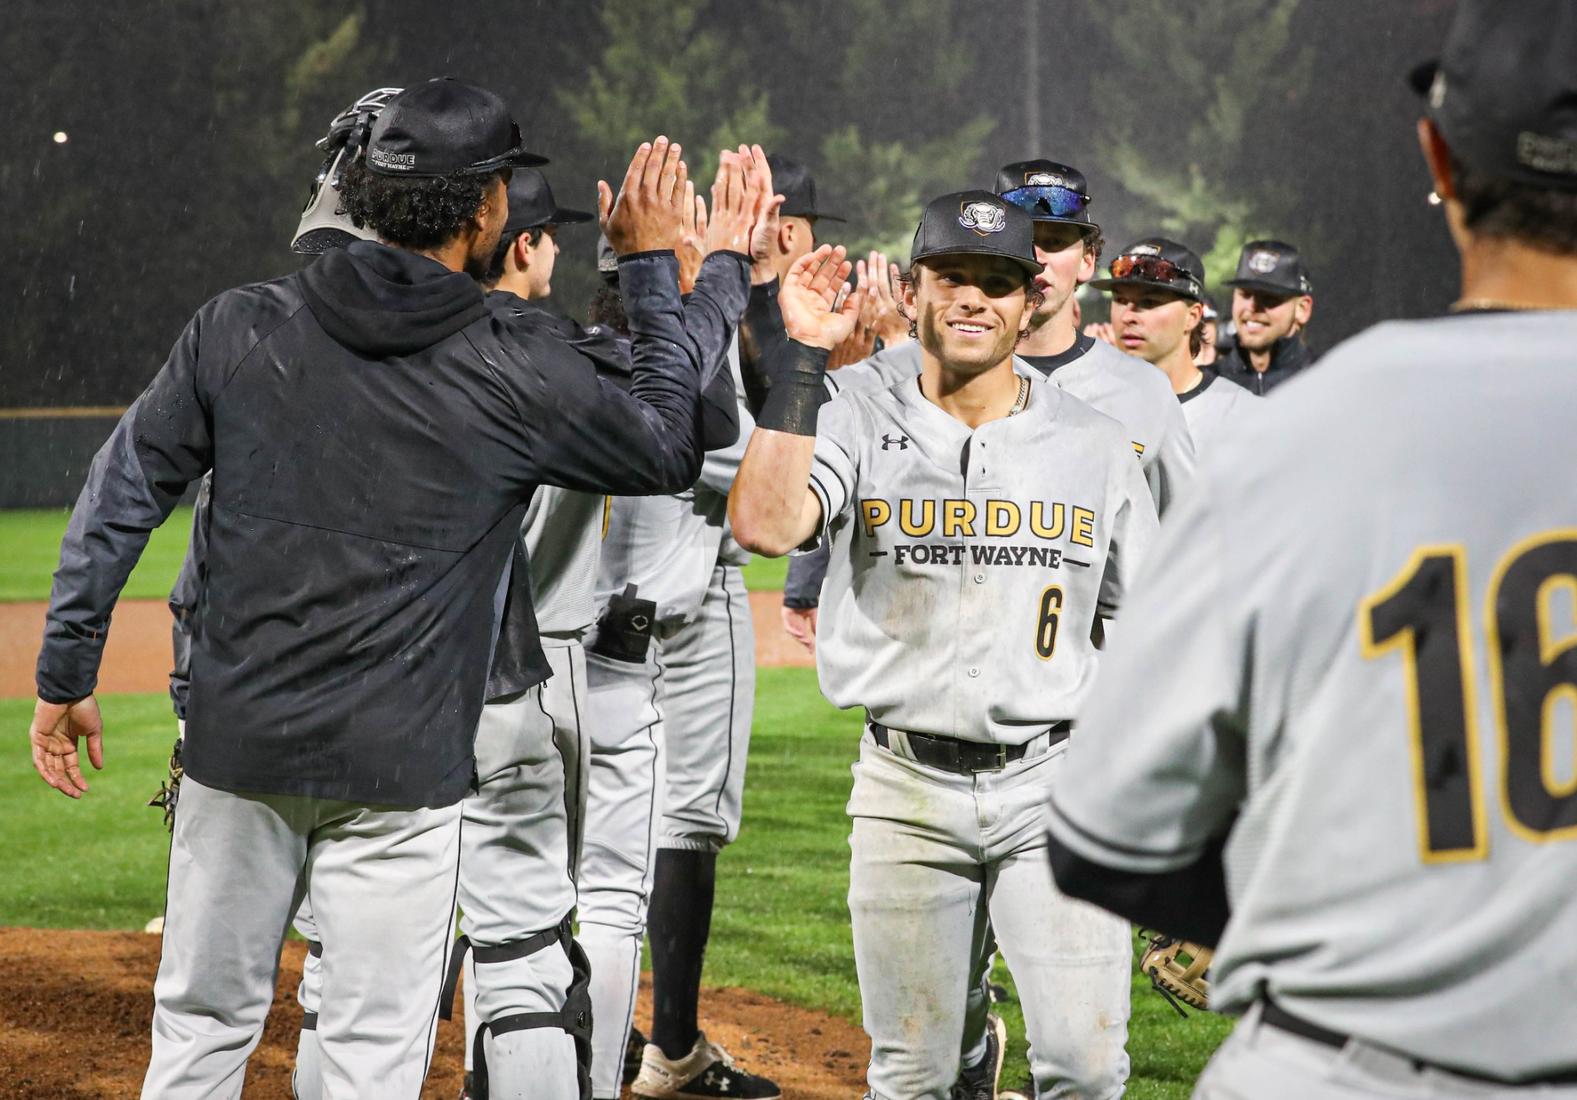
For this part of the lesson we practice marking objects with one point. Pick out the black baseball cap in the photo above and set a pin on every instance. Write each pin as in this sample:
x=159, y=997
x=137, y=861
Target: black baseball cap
x=1048, y=191
x=1274, y=267
x=446, y=127
x=531, y=204
x=793, y=181
x=975, y=223
x=1157, y=262
x=1504, y=91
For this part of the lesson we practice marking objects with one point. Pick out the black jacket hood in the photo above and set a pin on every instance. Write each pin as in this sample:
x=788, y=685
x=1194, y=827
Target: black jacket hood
x=381, y=301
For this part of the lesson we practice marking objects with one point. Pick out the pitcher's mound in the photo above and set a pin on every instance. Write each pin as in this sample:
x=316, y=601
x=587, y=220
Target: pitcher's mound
x=76, y=1009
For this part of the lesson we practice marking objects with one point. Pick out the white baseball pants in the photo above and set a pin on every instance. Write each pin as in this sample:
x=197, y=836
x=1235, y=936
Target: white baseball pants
x=934, y=853
x=382, y=882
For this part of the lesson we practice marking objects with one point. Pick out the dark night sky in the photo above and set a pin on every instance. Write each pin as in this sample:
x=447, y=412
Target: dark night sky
x=167, y=191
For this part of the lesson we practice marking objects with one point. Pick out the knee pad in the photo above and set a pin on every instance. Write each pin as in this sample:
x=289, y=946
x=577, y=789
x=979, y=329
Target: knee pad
x=574, y=1018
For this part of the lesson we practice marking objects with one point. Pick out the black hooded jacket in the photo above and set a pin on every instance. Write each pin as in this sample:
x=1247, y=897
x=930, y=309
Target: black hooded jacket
x=375, y=434
x=1289, y=357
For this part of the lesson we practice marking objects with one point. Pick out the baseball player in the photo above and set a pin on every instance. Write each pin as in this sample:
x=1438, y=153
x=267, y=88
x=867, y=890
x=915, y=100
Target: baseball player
x=340, y=649
x=980, y=520
x=1158, y=303
x=324, y=226
x=1272, y=301
x=1067, y=245
x=672, y=679
x=1340, y=742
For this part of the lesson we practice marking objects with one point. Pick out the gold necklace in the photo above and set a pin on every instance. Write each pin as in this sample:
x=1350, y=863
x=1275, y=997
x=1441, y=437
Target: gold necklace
x=1023, y=396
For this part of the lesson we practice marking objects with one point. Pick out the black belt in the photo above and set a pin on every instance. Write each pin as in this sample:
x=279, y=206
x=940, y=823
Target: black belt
x=1279, y=1018
x=965, y=757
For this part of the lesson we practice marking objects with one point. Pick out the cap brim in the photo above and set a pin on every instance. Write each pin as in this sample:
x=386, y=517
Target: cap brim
x=514, y=158
x=1183, y=291
x=814, y=215
x=565, y=216
x=1269, y=288
x=1034, y=267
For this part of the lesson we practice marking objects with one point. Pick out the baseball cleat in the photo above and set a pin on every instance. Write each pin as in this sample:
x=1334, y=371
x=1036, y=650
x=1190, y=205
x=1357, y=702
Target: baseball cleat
x=706, y=1073
x=979, y=1081
x=634, y=1048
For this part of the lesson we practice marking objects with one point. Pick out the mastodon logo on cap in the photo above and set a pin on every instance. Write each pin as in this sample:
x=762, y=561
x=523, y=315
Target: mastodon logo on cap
x=1264, y=261
x=1045, y=179
x=983, y=217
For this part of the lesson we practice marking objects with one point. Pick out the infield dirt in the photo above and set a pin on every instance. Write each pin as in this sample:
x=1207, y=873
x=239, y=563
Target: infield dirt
x=137, y=655
x=77, y=1008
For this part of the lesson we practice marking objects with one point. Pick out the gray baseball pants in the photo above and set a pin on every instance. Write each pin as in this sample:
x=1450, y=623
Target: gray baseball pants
x=1258, y=1060
x=382, y=882
x=933, y=854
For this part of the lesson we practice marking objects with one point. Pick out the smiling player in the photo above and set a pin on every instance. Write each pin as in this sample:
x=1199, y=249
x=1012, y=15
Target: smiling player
x=980, y=520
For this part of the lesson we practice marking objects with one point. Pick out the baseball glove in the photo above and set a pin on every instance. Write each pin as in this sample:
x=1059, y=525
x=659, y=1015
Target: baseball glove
x=1178, y=970
x=170, y=789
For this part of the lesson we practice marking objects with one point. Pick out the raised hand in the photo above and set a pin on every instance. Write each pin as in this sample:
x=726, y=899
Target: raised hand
x=647, y=214
x=736, y=199
x=764, y=229
x=692, y=238
x=56, y=729
x=808, y=299
x=861, y=341
x=886, y=294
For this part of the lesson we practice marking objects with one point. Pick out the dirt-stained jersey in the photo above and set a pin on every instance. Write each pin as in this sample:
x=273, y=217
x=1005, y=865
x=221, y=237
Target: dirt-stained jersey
x=1358, y=638
x=967, y=567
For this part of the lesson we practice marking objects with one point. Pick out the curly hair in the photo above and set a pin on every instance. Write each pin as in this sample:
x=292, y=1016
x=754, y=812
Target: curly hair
x=1094, y=241
x=1538, y=217
x=412, y=213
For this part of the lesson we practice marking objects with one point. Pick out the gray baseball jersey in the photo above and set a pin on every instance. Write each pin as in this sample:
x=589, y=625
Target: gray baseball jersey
x=1125, y=388
x=562, y=532
x=1214, y=407
x=1358, y=638
x=963, y=588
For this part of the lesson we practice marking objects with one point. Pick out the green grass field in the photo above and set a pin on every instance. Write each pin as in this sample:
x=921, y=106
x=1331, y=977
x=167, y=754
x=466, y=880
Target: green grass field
x=30, y=549
x=781, y=925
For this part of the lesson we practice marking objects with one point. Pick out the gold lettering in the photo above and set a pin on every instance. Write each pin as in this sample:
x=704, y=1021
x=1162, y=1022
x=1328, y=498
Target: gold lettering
x=958, y=518
x=1037, y=520
x=877, y=512
x=1002, y=517
x=1083, y=527
x=907, y=521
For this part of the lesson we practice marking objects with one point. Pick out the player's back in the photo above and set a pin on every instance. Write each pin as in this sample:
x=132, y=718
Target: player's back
x=1401, y=558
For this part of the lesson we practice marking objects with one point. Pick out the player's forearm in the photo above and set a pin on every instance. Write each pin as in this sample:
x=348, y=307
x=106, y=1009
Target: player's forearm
x=712, y=311
x=770, y=505
x=1189, y=903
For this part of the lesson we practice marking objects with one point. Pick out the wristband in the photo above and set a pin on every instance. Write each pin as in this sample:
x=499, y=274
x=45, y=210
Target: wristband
x=797, y=392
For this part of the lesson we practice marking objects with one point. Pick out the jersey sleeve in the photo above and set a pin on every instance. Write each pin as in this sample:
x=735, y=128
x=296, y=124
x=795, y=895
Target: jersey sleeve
x=1157, y=767
x=1172, y=466
x=834, y=467
x=1133, y=535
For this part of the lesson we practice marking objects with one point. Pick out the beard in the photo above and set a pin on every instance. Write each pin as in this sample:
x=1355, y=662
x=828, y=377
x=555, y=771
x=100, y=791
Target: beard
x=972, y=357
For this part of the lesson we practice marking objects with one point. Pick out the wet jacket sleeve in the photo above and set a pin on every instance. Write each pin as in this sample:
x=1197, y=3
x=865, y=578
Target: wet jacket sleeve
x=184, y=598
x=590, y=435
x=711, y=317
x=162, y=444
x=761, y=334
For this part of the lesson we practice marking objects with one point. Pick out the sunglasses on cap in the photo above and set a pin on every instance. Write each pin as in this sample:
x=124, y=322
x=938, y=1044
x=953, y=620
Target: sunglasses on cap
x=1057, y=201
x=1151, y=269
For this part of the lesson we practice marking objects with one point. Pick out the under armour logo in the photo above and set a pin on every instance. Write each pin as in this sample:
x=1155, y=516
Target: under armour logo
x=902, y=442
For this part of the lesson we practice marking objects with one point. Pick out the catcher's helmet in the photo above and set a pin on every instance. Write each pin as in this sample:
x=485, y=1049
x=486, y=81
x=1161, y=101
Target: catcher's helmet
x=324, y=223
